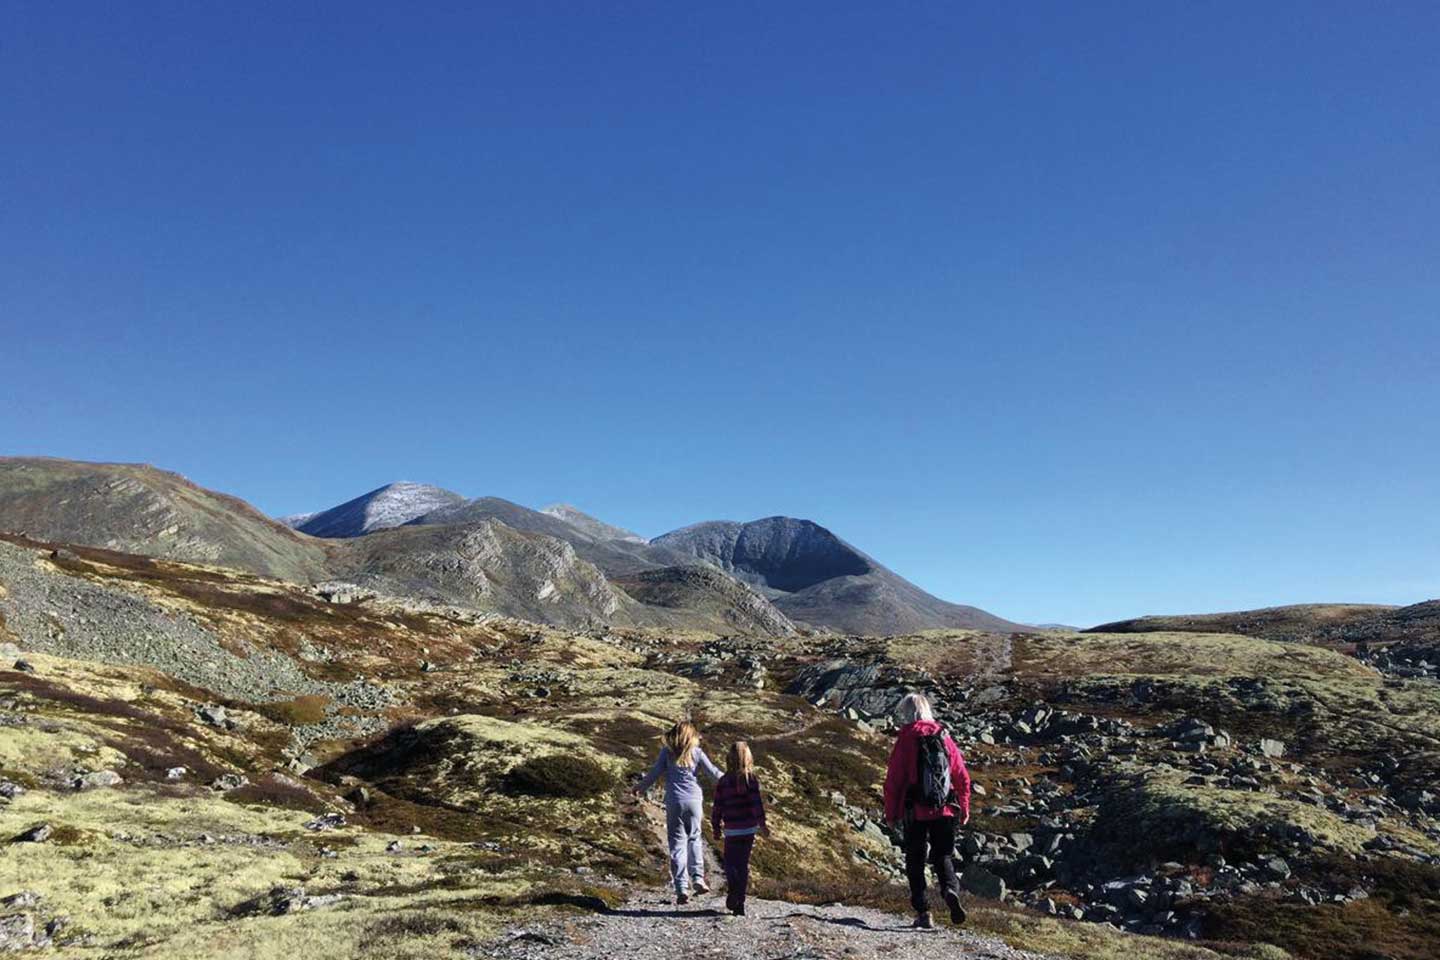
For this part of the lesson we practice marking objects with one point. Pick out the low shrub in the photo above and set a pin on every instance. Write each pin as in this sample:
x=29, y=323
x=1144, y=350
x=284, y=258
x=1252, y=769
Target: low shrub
x=559, y=775
x=301, y=711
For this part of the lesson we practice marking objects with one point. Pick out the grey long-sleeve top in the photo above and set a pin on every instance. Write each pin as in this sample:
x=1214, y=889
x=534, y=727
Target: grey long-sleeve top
x=681, y=785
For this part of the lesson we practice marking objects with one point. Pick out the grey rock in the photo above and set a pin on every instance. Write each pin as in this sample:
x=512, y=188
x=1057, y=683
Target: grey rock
x=229, y=781
x=36, y=834
x=22, y=900
x=24, y=666
x=17, y=933
x=1272, y=748
x=213, y=715
x=98, y=780
x=983, y=883
x=1277, y=868
x=9, y=789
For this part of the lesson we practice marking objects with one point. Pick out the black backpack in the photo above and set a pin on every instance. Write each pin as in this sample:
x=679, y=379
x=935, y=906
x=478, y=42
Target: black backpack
x=932, y=781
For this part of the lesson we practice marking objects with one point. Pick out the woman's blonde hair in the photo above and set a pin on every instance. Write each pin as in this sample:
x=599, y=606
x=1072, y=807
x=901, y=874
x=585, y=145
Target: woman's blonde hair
x=740, y=764
x=915, y=706
x=681, y=740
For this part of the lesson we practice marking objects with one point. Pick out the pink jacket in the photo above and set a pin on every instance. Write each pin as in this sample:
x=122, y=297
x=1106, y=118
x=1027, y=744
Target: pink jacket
x=903, y=773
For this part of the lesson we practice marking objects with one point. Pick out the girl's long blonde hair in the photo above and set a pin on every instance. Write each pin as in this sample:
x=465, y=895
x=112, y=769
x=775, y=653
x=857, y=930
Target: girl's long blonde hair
x=740, y=764
x=681, y=740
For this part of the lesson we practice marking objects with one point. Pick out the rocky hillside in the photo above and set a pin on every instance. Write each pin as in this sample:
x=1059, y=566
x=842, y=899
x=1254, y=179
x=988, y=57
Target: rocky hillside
x=139, y=509
x=590, y=526
x=200, y=762
x=814, y=576
x=486, y=565
x=705, y=597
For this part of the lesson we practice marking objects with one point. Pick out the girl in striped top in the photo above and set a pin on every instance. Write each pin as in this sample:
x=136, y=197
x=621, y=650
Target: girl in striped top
x=738, y=816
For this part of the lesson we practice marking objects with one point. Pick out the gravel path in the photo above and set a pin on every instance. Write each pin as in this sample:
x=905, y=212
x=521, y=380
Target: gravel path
x=649, y=927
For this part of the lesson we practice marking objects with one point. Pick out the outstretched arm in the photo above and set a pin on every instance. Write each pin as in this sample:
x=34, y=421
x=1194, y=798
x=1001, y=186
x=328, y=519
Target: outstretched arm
x=702, y=763
x=656, y=770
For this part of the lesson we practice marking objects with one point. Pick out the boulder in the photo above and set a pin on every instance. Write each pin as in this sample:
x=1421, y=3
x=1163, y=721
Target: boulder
x=17, y=933
x=983, y=883
x=36, y=834
x=1272, y=748
x=213, y=715
x=329, y=821
x=98, y=780
x=1276, y=868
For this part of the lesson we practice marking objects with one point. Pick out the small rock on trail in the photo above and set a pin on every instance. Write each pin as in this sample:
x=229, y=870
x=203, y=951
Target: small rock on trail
x=649, y=927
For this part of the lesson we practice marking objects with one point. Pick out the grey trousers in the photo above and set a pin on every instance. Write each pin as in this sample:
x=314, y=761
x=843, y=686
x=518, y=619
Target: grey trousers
x=687, y=844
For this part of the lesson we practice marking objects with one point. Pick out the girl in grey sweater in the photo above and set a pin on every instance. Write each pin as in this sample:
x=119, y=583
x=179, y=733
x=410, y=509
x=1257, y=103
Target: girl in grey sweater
x=680, y=760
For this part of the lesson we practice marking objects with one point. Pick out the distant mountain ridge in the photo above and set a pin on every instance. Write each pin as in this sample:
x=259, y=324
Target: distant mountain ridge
x=559, y=565
x=1317, y=623
x=815, y=577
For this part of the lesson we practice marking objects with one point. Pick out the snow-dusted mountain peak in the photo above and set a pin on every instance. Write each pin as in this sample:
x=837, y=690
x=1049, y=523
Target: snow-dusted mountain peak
x=392, y=505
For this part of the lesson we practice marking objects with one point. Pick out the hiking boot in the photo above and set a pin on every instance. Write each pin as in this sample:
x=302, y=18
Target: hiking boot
x=923, y=922
x=682, y=898
x=738, y=911
x=700, y=885
x=957, y=912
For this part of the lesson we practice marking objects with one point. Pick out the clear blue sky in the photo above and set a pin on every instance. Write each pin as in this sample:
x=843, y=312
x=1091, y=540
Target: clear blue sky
x=1071, y=311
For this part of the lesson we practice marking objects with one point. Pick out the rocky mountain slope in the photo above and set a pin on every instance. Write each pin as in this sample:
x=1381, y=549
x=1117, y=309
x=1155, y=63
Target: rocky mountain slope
x=139, y=509
x=380, y=509
x=487, y=565
x=614, y=557
x=814, y=576
x=201, y=762
x=590, y=526
x=705, y=597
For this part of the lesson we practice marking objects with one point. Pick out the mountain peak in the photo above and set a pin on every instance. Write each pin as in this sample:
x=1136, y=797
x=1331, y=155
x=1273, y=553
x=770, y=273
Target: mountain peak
x=392, y=505
x=814, y=576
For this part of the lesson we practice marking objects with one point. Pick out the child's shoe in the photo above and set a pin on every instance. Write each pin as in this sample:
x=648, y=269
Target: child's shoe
x=923, y=922
x=700, y=885
x=681, y=898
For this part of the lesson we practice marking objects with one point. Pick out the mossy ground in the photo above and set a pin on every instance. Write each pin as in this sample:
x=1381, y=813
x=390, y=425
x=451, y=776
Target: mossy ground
x=471, y=746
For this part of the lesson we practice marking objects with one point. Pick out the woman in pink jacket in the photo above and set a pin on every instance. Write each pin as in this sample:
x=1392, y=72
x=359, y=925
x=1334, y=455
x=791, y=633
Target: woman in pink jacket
x=927, y=791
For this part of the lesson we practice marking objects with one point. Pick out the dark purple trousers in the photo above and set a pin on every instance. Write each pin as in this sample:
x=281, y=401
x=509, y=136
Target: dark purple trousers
x=737, y=870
